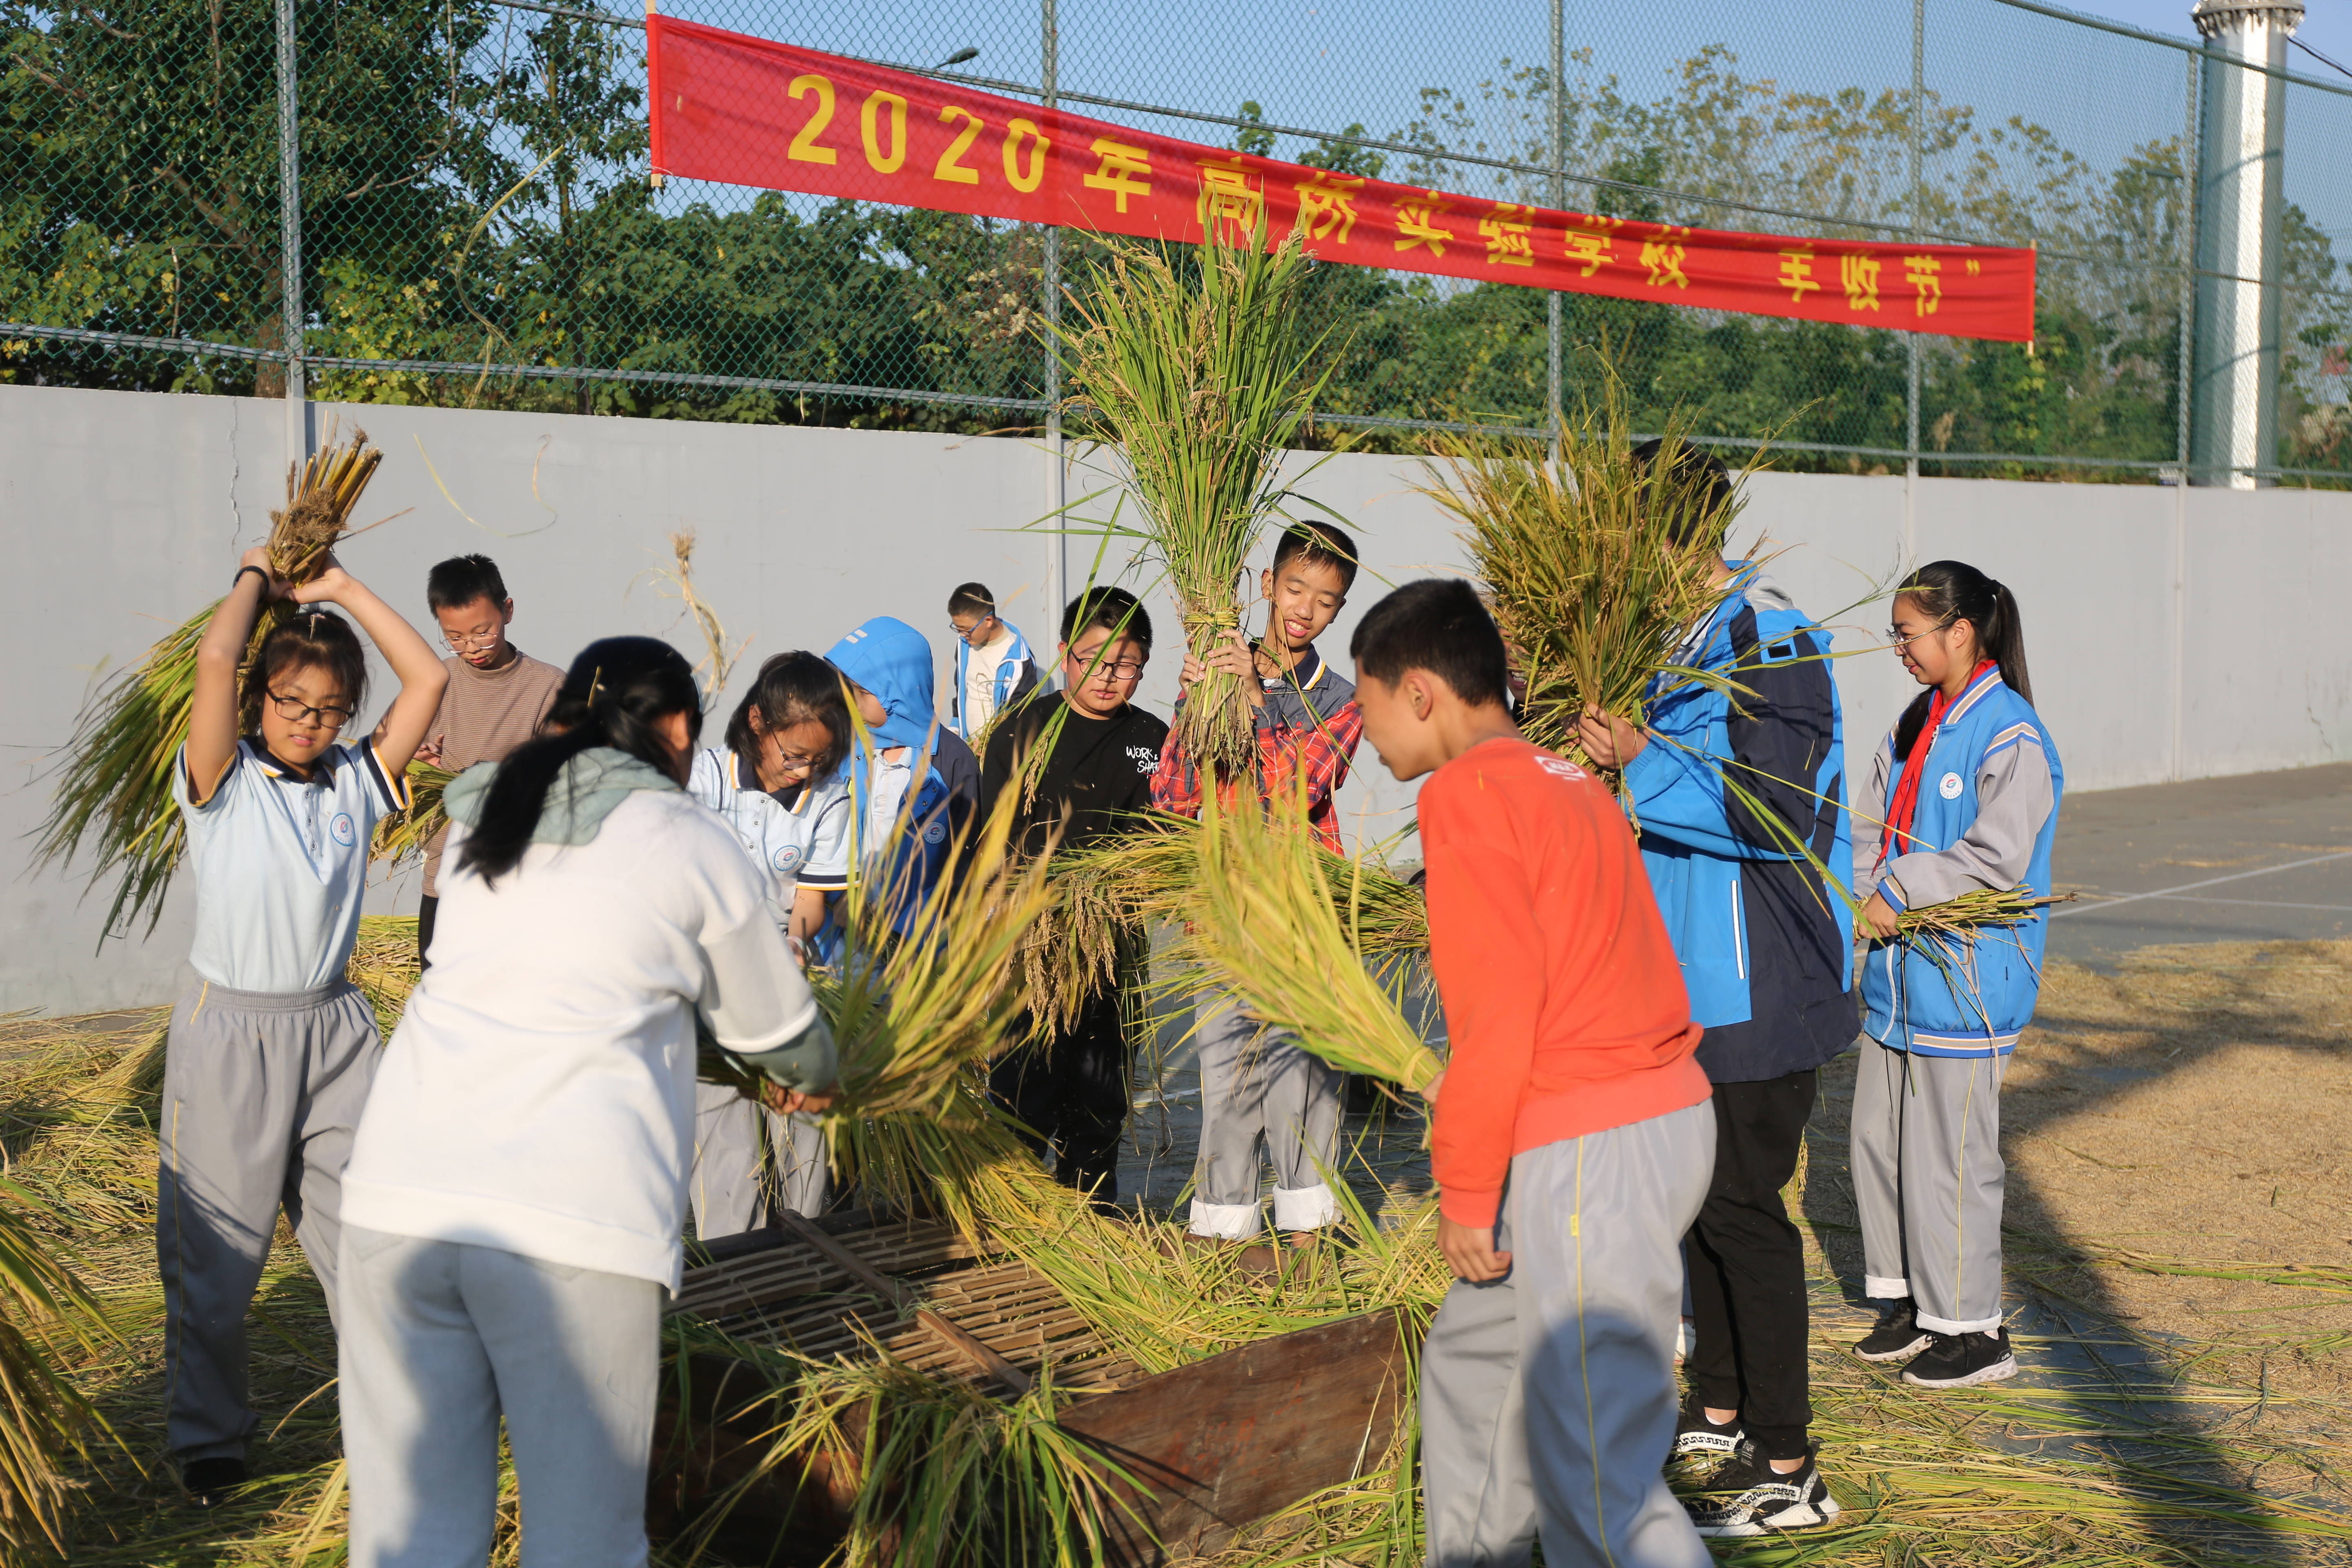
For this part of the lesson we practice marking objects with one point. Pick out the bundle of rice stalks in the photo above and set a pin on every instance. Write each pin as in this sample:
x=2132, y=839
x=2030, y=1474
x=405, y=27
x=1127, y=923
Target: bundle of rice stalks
x=1975, y=910
x=43, y=1418
x=1582, y=568
x=1278, y=923
x=385, y=967
x=115, y=788
x=1200, y=382
x=1107, y=896
x=404, y=835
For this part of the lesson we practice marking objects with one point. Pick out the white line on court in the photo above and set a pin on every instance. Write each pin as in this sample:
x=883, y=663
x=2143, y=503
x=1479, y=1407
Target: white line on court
x=2192, y=887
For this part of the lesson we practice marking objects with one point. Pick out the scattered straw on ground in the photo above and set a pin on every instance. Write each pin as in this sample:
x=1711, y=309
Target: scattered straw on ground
x=2180, y=1270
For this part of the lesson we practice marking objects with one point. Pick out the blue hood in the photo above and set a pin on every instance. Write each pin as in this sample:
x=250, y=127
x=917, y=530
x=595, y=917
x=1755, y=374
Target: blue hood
x=892, y=661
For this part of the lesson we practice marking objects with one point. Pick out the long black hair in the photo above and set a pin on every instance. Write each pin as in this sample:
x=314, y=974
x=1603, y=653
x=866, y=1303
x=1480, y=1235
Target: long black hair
x=615, y=694
x=794, y=688
x=315, y=638
x=1954, y=591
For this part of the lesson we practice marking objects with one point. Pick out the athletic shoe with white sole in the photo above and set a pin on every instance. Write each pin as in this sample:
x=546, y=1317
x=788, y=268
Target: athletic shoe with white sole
x=1898, y=1333
x=1748, y=1497
x=1962, y=1360
x=1699, y=1442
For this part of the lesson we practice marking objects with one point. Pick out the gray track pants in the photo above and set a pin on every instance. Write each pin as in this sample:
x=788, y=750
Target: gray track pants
x=439, y=1339
x=728, y=1186
x=261, y=1095
x=1927, y=1172
x=1260, y=1092
x=1548, y=1396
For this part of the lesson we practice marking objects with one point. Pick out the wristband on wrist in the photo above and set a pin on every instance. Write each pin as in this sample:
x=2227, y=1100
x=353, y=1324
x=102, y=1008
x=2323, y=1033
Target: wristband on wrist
x=257, y=572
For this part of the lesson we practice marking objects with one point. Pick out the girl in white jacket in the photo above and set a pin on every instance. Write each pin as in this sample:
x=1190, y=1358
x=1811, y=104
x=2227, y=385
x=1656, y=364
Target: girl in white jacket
x=513, y=1205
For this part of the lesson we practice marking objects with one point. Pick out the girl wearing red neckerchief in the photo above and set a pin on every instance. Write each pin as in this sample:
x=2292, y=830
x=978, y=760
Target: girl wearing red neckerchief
x=1966, y=792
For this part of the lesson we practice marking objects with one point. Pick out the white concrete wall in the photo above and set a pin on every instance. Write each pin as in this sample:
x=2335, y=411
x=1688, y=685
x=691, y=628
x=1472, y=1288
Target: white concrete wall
x=2172, y=635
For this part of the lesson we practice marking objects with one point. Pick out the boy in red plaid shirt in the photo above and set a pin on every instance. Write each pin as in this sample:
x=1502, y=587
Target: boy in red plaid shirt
x=1261, y=1097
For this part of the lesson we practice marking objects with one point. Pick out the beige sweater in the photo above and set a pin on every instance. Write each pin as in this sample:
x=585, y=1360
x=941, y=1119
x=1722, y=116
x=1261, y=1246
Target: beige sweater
x=485, y=714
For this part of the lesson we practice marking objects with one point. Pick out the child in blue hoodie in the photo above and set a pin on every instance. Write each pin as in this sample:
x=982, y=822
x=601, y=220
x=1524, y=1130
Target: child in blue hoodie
x=913, y=784
x=1967, y=789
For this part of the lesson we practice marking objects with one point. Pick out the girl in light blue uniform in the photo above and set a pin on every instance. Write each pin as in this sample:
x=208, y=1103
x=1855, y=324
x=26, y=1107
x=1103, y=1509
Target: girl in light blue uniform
x=271, y=1048
x=1966, y=793
x=780, y=783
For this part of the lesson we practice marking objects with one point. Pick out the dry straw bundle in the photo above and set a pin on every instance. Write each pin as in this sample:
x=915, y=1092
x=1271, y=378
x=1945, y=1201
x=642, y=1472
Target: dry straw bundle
x=1979, y=909
x=1108, y=897
x=1201, y=382
x=115, y=789
x=1276, y=920
x=404, y=835
x=1580, y=562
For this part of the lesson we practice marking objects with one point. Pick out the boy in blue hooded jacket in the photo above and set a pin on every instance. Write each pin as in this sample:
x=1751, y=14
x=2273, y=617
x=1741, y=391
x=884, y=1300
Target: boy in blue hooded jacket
x=913, y=784
x=1732, y=794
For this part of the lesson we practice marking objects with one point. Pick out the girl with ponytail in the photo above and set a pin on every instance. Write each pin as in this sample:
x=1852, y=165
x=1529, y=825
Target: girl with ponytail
x=513, y=1205
x=1965, y=795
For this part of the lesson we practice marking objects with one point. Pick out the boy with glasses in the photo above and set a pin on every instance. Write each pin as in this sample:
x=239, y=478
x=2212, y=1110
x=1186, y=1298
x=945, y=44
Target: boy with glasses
x=496, y=695
x=993, y=666
x=1092, y=753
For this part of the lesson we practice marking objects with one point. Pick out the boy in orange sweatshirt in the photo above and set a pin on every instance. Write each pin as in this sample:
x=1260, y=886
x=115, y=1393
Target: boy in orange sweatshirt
x=1574, y=1137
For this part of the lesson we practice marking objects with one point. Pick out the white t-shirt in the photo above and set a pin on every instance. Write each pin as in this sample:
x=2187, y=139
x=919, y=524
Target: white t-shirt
x=804, y=845
x=980, y=669
x=280, y=864
x=539, y=1094
x=886, y=795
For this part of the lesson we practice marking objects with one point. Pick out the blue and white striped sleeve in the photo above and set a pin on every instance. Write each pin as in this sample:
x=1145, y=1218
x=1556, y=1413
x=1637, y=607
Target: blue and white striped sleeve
x=2014, y=798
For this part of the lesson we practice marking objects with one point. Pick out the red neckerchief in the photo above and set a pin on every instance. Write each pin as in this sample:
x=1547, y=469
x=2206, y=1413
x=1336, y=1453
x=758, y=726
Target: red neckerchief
x=1904, y=809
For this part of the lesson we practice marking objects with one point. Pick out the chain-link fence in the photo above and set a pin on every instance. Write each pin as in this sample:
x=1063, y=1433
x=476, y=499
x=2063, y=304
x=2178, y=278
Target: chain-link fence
x=476, y=226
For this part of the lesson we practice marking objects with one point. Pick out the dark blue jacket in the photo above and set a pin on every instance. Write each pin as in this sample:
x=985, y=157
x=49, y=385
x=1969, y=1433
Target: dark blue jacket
x=1724, y=795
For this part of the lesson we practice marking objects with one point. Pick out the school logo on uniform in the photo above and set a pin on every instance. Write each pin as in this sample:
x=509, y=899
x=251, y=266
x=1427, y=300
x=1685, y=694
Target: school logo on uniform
x=343, y=830
x=937, y=833
x=787, y=857
x=1950, y=786
x=1558, y=768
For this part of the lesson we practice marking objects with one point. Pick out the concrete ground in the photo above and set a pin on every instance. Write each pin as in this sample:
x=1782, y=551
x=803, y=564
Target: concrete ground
x=2259, y=857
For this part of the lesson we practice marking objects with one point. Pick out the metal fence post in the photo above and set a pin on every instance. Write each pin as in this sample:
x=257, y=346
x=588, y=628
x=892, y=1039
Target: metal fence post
x=1057, y=466
x=1558, y=199
x=2184, y=371
x=289, y=237
x=1919, y=226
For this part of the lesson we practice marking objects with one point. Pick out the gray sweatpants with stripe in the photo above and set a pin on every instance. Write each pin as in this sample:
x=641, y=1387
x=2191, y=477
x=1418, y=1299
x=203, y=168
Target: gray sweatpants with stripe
x=1927, y=1174
x=728, y=1188
x=1548, y=1396
x=1262, y=1098
x=261, y=1096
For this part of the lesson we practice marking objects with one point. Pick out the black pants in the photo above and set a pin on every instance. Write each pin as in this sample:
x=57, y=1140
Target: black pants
x=1073, y=1095
x=1748, y=1267
x=425, y=913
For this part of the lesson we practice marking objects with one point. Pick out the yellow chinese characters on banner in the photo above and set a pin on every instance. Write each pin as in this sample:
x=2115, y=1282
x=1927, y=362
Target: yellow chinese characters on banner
x=741, y=110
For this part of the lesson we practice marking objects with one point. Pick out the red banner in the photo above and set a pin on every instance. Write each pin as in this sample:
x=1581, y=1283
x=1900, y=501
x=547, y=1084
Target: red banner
x=747, y=112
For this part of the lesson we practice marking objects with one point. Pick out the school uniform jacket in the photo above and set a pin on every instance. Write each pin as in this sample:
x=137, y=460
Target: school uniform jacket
x=1724, y=795
x=1988, y=816
x=1015, y=677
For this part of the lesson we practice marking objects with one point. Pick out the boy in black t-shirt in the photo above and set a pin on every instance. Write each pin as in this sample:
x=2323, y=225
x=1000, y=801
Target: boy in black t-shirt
x=1074, y=1092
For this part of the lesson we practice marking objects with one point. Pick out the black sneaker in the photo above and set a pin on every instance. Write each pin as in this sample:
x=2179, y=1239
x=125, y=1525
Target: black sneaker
x=1699, y=1442
x=1748, y=1497
x=210, y=1481
x=1898, y=1333
x=1960, y=1360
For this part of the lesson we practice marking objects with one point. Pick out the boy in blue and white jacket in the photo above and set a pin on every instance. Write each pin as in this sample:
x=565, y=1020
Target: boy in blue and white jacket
x=1739, y=802
x=1968, y=787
